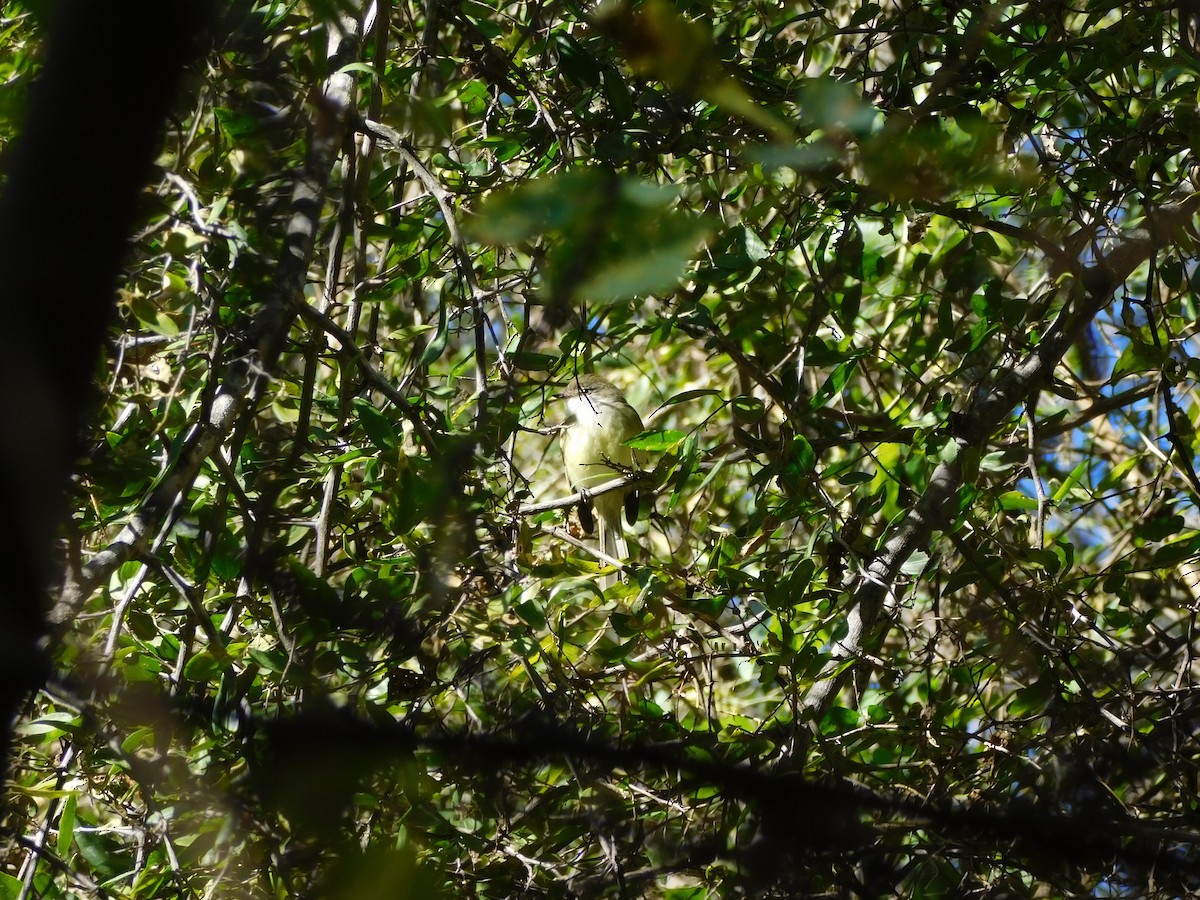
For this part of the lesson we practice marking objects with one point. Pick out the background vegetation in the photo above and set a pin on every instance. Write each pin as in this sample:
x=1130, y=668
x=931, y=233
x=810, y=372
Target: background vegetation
x=905, y=295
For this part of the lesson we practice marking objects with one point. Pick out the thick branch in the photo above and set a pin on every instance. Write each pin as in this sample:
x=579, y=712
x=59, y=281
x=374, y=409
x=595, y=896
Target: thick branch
x=93, y=125
x=784, y=838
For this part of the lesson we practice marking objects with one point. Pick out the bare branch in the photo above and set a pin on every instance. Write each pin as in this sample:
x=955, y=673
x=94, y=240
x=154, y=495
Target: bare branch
x=637, y=479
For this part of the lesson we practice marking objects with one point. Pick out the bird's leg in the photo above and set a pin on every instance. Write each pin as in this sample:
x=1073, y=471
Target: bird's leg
x=586, y=519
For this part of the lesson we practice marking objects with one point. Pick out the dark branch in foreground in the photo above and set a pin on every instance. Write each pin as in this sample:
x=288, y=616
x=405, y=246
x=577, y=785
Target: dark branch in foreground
x=794, y=815
x=95, y=117
x=248, y=374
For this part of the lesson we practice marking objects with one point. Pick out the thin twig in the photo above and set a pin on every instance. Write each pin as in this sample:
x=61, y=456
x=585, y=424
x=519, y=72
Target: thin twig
x=373, y=376
x=1039, y=527
x=462, y=256
x=564, y=535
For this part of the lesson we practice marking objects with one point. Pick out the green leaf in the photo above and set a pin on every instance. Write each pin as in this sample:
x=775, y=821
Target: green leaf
x=103, y=852
x=789, y=590
x=709, y=606
x=852, y=478
x=1138, y=356
x=66, y=827
x=436, y=347
x=236, y=125
x=575, y=62
x=1030, y=700
x=1015, y=500
x=614, y=237
x=803, y=457
x=654, y=267
x=838, y=719
x=10, y=887
x=748, y=410
x=657, y=441
x=835, y=105
x=531, y=613
x=616, y=92
x=820, y=154
x=689, y=458
x=201, y=667
x=849, y=252
x=738, y=249
x=968, y=574
x=1160, y=527
x=548, y=204
x=360, y=67
x=380, y=431
x=528, y=361
x=687, y=396
x=1070, y=481
x=661, y=44
x=149, y=312
x=54, y=723
x=1118, y=473
x=836, y=381
x=915, y=564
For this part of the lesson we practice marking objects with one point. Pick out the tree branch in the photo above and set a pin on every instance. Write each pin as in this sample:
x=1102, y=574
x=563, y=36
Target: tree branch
x=462, y=256
x=773, y=798
x=638, y=479
x=117, y=89
x=249, y=373
x=991, y=405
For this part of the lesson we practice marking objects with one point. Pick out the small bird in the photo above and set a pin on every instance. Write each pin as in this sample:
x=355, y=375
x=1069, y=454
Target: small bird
x=600, y=420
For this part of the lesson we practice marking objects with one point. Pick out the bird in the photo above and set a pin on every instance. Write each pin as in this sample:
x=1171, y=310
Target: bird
x=599, y=422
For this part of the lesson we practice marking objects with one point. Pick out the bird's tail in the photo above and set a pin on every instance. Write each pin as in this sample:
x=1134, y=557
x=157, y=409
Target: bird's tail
x=612, y=539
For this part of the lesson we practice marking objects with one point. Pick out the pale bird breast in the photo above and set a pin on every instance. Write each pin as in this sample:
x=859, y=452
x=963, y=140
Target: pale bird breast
x=593, y=443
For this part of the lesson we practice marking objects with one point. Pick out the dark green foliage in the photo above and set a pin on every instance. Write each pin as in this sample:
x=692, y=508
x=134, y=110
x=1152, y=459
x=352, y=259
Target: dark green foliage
x=812, y=244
